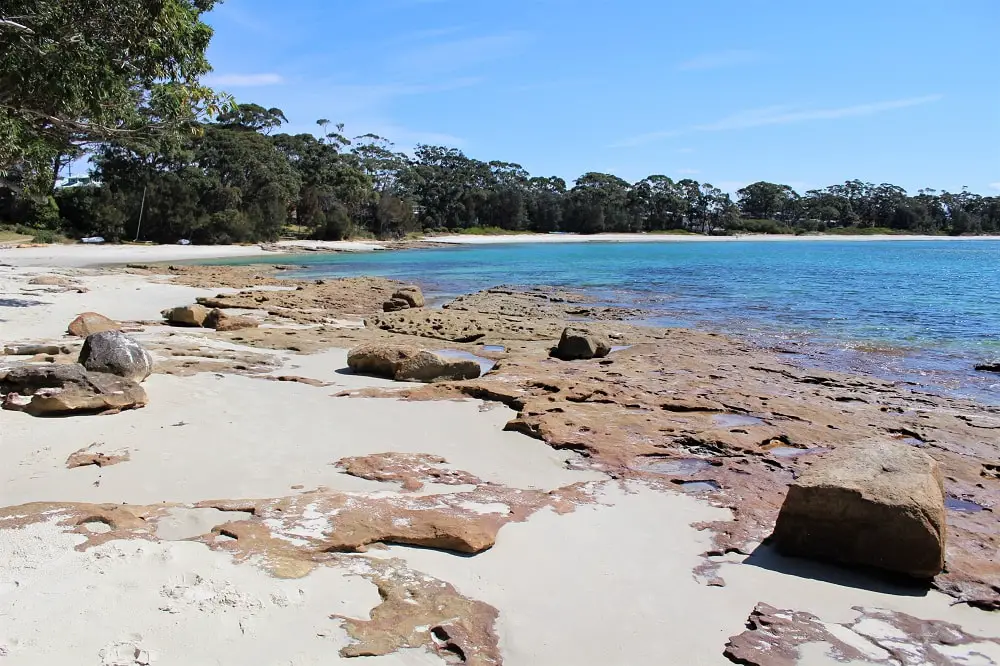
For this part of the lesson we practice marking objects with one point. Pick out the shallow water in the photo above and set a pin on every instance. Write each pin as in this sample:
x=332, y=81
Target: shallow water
x=919, y=311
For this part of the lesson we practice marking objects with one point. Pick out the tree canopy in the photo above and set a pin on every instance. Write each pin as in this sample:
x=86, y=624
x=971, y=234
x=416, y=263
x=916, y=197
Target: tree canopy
x=174, y=160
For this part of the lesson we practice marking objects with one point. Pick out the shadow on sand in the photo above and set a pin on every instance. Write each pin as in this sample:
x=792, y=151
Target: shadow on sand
x=766, y=556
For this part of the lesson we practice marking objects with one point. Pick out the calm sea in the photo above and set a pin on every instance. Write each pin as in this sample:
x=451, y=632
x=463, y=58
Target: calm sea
x=919, y=311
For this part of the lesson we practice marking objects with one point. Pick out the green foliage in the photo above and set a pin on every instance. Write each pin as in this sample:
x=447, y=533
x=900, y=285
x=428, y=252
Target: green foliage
x=76, y=72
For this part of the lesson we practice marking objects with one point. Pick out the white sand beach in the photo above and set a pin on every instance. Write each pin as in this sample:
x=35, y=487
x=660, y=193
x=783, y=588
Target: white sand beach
x=611, y=583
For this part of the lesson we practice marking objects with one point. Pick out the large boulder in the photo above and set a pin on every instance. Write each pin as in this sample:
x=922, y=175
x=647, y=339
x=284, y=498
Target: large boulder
x=58, y=390
x=221, y=321
x=877, y=503
x=89, y=323
x=118, y=354
x=405, y=298
x=186, y=315
x=579, y=343
x=408, y=363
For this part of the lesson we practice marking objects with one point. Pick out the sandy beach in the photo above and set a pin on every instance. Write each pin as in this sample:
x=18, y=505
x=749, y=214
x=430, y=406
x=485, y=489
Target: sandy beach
x=231, y=531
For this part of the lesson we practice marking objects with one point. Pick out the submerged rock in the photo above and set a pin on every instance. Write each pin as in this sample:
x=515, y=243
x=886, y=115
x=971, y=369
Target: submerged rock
x=54, y=390
x=408, y=363
x=89, y=323
x=579, y=343
x=988, y=367
x=118, y=354
x=186, y=315
x=875, y=503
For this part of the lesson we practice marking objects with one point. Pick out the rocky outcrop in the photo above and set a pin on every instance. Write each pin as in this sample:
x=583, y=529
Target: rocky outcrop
x=221, y=321
x=408, y=363
x=89, y=323
x=118, y=354
x=988, y=367
x=776, y=637
x=186, y=315
x=579, y=343
x=404, y=298
x=411, y=470
x=56, y=390
x=874, y=503
x=418, y=611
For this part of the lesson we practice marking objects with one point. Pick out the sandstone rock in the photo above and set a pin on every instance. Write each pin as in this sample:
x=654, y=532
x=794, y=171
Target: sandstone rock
x=32, y=350
x=875, y=503
x=118, y=354
x=579, y=343
x=395, y=305
x=220, y=321
x=412, y=295
x=67, y=389
x=186, y=315
x=89, y=323
x=407, y=363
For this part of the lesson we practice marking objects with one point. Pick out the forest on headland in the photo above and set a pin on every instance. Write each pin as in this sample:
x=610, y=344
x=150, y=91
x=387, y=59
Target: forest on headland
x=172, y=159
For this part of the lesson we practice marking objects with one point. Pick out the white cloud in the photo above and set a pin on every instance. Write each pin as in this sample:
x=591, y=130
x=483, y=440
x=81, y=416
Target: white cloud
x=719, y=60
x=785, y=115
x=780, y=115
x=688, y=172
x=995, y=186
x=244, y=80
x=459, y=54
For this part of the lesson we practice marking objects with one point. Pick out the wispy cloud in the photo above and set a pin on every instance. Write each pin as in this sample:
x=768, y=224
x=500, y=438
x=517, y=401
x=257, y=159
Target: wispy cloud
x=685, y=151
x=720, y=60
x=244, y=80
x=458, y=54
x=780, y=115
x=995, y=186
x=784, y=115
x=688, y=172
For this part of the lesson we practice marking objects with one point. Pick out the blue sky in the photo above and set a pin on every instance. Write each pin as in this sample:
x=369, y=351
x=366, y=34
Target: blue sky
x=724, y=91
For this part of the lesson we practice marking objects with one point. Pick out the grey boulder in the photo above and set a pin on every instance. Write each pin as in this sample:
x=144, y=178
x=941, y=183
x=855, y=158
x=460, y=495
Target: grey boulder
x=115, y=353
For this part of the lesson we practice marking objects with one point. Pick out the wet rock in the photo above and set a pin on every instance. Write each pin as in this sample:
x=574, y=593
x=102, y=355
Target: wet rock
x=988, y=367
x=89, y=323
x=875, y=503
x=186, y=315
x=68, y=389
x=579, y=343
x=408, y=363
x=220, y=321
x=118, y=354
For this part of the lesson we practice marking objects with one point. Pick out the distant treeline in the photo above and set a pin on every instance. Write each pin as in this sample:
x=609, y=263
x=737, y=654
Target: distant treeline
x=239, y=179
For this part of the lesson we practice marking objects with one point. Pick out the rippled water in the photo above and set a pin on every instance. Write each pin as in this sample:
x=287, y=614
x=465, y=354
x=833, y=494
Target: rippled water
x=923, y=311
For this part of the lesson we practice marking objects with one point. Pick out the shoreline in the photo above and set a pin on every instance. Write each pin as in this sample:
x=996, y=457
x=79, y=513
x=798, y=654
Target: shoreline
x=78, y=255
x=559, y=469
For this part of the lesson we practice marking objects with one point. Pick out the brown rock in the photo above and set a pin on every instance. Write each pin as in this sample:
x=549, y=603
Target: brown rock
x=89, y=323
x=876, y=503
x=220, y=321
x=84, y=458
x=408, y=363
x=412, y=295
x=418, y=611
x=579, y=343
x=56, y=390
x=776, y=637
x=395, y=305
x=186, y=315
x=411, y=470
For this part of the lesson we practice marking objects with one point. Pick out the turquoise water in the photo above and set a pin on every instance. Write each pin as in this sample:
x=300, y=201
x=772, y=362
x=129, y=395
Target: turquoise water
x=921, y=311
